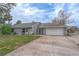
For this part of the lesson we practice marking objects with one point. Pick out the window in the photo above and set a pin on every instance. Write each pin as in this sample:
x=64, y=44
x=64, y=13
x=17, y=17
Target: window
x=23, y=30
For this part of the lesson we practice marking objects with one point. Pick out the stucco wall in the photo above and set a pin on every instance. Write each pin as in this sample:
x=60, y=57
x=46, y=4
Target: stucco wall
x=48, y=31
x=18, y=31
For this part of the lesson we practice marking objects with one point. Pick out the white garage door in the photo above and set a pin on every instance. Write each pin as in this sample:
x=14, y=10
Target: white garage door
x=54, y=31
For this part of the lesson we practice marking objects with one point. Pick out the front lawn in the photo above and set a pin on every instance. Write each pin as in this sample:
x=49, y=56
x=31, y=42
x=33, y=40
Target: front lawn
x=10, y=42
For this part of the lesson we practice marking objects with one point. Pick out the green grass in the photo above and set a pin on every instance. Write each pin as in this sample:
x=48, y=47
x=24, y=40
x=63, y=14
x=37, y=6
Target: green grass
x=10, y=42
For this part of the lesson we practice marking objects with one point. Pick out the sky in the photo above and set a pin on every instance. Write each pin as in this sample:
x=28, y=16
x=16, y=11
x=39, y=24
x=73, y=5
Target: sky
x=44, y=12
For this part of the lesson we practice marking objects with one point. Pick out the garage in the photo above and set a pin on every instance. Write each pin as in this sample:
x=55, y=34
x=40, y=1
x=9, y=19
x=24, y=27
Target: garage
x=55, y=31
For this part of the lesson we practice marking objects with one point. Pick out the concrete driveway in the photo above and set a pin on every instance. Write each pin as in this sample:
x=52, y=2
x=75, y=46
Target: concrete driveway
x=49, y=46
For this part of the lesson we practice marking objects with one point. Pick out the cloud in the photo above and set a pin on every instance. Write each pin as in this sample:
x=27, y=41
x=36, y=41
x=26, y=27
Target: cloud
x=32, y=11
x=28, y=13
x=74, y=10
x=57, y=7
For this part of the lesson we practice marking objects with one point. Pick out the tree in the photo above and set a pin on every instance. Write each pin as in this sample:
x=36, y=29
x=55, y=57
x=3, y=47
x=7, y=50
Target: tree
x=5, y=9
x=1, y=13
x=18, y=22
x=7, y=18
x=62, y=18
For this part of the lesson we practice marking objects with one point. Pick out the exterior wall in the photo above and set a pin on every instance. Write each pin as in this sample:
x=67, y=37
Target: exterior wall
x=29, y=31
x=54, y=31
x=46, y=31
x=18, y=31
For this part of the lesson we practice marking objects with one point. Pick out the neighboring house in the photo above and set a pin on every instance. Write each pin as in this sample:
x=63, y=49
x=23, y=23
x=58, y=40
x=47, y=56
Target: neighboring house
x=39, y=29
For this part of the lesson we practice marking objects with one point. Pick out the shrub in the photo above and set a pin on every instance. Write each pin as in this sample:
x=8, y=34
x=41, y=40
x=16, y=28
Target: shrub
x=6, y=29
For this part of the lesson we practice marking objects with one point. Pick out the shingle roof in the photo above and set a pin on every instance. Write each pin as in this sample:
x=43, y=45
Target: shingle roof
x=24, y=25
x=41, y=25
x=46, y=25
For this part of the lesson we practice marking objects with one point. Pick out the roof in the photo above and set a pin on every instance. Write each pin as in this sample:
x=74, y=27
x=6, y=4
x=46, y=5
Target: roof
x=41, y=25
x=48, y=25
x=24, y=25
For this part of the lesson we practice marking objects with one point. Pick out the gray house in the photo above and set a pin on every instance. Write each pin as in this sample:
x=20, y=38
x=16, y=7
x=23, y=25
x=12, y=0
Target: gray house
x=39, y=29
